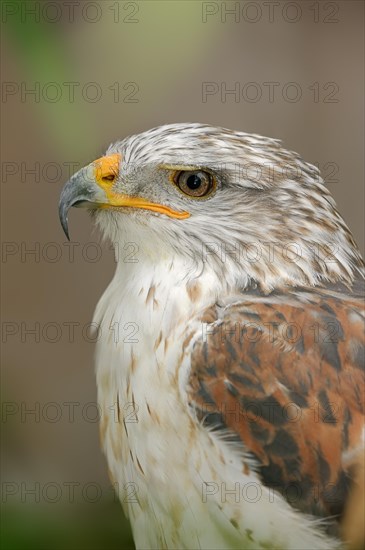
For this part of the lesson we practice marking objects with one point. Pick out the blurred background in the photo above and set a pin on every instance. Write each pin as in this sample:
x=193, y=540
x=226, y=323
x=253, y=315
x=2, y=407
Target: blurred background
x=75, y=77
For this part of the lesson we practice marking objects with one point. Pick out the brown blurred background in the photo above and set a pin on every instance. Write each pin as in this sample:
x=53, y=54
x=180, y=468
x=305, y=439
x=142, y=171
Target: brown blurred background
x=76, y=76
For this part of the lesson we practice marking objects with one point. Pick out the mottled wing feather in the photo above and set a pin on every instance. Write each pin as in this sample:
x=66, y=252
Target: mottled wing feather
x=284, y=374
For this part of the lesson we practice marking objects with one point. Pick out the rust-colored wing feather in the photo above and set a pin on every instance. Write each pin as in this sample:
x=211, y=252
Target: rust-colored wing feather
x=284, y=374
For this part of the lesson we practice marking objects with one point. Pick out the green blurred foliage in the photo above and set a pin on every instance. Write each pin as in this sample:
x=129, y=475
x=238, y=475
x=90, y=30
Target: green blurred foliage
x=157, y=52
x=97, y=526
x=40, y=49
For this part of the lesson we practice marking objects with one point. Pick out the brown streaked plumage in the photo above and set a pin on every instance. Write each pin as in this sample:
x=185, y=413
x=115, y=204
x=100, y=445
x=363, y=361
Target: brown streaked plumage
x=284, y=376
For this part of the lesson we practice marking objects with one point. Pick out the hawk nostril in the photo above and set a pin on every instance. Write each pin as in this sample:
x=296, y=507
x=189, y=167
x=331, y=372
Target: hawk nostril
x=110, y=177
x=106, y=169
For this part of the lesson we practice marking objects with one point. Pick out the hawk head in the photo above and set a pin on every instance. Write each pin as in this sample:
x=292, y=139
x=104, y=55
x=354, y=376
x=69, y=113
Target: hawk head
x=236, y=204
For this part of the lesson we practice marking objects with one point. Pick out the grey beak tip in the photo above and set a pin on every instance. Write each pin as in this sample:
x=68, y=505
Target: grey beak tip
x=67, y=234
x=64, y=219
x=65, y=229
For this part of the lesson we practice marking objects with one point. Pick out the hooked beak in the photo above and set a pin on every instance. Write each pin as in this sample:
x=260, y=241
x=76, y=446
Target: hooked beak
x=92, y=186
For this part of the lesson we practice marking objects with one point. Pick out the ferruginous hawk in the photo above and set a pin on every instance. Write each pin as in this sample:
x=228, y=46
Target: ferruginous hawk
x=230, y=359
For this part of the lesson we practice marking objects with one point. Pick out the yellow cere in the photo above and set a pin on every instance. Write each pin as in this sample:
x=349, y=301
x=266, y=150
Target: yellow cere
x=106, y=171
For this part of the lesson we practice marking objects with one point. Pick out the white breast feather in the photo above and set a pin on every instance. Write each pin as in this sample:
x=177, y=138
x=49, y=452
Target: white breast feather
x=161, y=462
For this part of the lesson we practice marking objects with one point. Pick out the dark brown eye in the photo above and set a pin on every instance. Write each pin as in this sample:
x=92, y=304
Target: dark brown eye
x=194, y=183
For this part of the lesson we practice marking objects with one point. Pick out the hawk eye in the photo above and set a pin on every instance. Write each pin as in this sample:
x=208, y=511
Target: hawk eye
x=194, y=183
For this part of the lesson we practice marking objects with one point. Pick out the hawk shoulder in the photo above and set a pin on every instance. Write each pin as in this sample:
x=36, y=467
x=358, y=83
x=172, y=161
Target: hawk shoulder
x=283, y=375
